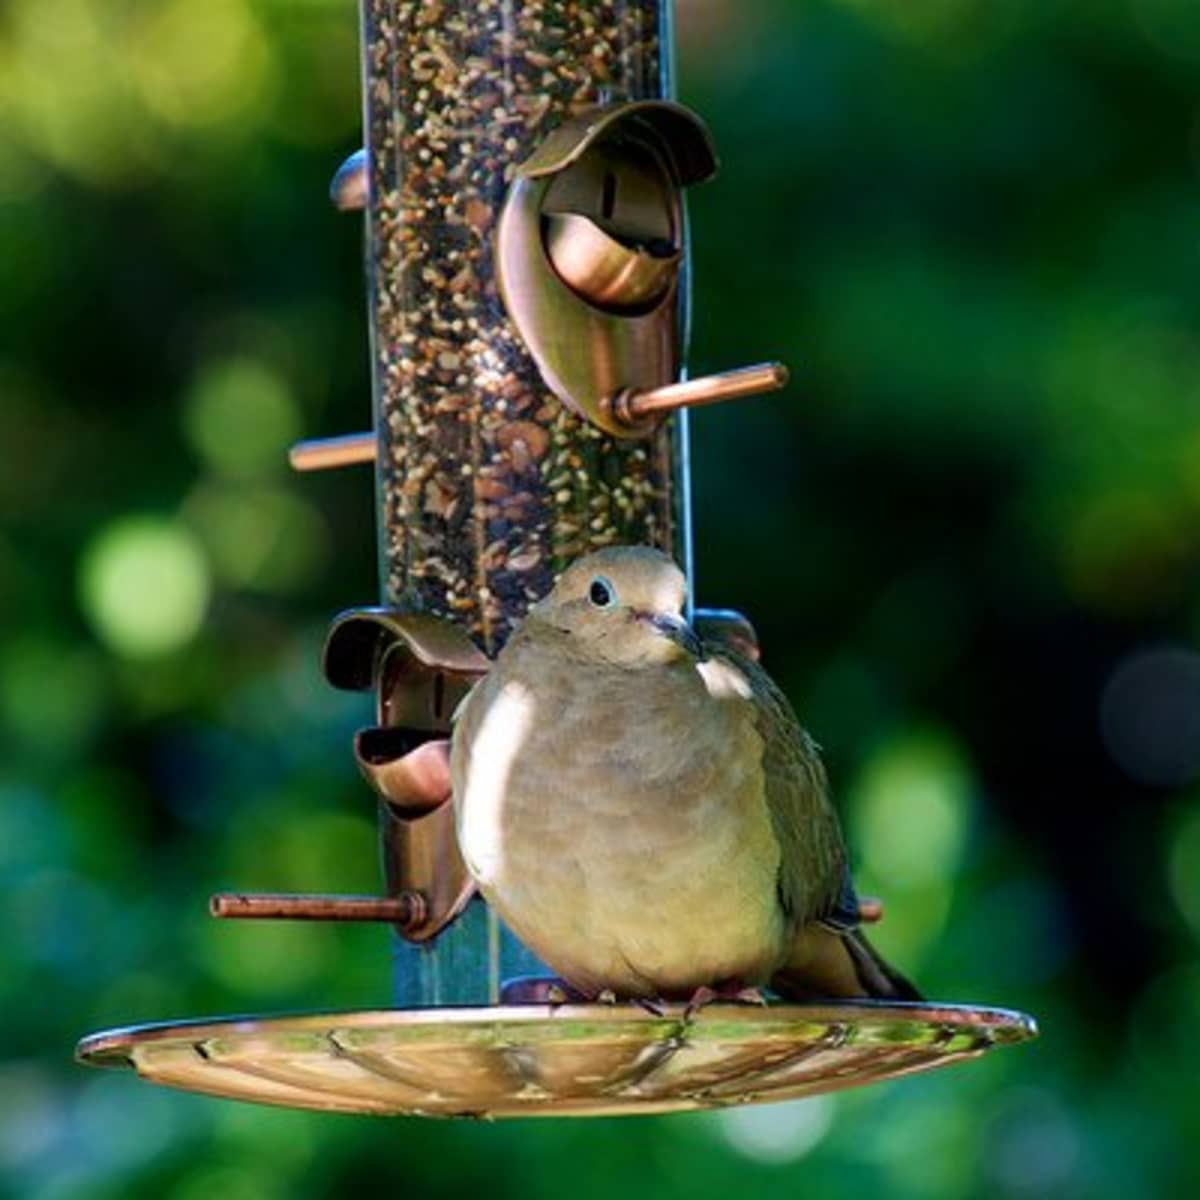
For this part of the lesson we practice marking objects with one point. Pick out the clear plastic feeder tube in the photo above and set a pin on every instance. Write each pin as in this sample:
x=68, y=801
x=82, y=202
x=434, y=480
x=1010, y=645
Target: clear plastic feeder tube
x=488, y=485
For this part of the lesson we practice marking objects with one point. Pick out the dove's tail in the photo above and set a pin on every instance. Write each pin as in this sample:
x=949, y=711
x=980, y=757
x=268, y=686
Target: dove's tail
x=828, y=965
x=880, y=979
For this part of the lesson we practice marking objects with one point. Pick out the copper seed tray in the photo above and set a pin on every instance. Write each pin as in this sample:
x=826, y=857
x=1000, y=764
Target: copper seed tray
x=531, y=1060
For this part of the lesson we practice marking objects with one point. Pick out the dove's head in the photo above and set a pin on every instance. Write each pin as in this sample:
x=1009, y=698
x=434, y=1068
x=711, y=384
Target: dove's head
x=624, y=605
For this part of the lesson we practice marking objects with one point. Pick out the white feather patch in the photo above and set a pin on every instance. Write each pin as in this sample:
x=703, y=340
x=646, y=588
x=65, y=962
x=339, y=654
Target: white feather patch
x=494, y=752
x=723, y=680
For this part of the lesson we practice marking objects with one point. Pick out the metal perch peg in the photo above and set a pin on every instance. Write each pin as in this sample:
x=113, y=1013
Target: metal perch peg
x=319, y=454
x=349, y=185
x=409, y=909
x=635, y=409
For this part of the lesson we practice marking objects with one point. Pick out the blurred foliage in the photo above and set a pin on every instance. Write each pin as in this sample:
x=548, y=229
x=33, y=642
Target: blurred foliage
x=967, y=534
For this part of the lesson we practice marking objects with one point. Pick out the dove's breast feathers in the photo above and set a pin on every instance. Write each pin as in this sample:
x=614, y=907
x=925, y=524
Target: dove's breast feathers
x=620, y=819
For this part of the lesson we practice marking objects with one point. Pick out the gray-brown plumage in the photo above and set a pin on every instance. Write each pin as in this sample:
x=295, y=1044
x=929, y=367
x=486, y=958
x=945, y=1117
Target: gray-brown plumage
x=646, y=812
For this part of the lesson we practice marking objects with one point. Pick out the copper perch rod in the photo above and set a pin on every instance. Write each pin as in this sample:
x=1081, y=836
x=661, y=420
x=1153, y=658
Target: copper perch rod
x=320, y=453
x=631, y=407
x=407, y=909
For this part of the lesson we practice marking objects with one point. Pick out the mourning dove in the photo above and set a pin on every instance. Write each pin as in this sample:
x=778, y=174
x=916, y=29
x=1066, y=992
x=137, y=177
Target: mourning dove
x=645, y=811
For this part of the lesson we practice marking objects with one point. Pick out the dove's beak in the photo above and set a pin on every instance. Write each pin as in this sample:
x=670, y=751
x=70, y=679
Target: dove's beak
x=677, y=630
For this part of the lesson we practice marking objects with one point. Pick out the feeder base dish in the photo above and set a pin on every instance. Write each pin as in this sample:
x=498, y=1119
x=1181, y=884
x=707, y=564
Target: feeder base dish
x=572, y=1060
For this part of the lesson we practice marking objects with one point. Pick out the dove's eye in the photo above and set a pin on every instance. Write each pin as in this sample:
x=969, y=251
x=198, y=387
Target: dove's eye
x=602, y=593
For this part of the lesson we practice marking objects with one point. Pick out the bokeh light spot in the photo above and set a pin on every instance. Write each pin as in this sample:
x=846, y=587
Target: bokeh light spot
x=266, y=1134
x=928, y=22
x=1183, y=867
x=144, y=585
x=777, y=1133
x=146, y=1126
x=1150, y=716
x=909, y=811
x=1164, y=1025
x=260, y=538
x=64, y=91
x=200, y=64
x=32, y=832
x=303, y=850
x=1032, y=1144
x=910, y=807
x=240, y=417
x=241, y=1182
x=32, y=1112
x=918, y=1142
x=1121, y=547
x=51, y=693
x=266, y=961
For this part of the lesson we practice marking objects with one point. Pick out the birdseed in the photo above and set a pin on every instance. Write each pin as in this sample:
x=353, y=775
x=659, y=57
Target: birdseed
x=490, y=486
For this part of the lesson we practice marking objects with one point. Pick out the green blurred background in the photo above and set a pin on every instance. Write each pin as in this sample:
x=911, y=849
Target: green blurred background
x=968, y=533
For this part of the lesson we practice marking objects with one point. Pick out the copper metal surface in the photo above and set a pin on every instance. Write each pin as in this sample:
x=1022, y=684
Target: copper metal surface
x=408, y=909
x=727, y=626
x=575, y=1060
x=319, y=454
x=420, y=667
x=588, y=250
x=692, y=150
x=359, y=638
x=595, y=309
x=414, y=780
x=634, y=408
x=602, y=269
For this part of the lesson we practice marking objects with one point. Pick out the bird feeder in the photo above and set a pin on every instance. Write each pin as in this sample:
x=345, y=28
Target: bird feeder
x=523, y=183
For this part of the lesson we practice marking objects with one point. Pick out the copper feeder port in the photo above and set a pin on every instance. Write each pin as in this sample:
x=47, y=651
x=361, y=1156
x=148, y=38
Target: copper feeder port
x=609, y=273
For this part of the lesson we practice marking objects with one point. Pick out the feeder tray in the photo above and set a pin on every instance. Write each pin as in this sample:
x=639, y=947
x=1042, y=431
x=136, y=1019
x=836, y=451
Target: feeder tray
x=574, y=1060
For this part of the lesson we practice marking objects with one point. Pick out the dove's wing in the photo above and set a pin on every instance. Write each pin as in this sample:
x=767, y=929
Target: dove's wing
x=813, y=881
x=828, y=954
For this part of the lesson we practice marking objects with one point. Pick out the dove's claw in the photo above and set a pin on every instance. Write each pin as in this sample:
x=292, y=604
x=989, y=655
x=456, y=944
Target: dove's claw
x=607, y=996
x=750, y=995
x=655, y=1007
x=729, y=991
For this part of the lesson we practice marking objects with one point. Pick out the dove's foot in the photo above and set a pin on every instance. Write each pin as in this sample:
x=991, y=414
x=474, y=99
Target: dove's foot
x=652, y=1005
x=728, y=991
x=539, y=989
